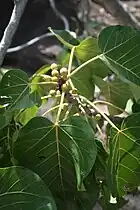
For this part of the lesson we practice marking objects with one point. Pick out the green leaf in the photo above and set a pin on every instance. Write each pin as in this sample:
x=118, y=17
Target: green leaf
x=7, y=136
x=28, y=104
x=35, y=97
x=2, y=72
x=123, y=162
x=5, y=118
x=116, y=92
x=14, y=85
x=83, y=156
x=100, y=164
x=20, y=188
x=25, y=102
x=63, y=57
x=37, y=85
x=65, y=37
x=80, y=200
x=135, y=91
x=105, y=200
x=3, y=121
x=5, y=159
x=135, y=107
x=88, y=198
x=82, y=80
x=121, y=51
x=36, y=77
x=88, y=49
x=68, y=203
x=26, y=115
x=55, y=153
x=29, y=101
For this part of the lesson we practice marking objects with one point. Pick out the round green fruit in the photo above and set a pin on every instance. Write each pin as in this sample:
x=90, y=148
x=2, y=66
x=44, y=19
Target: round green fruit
x=47, y=78
x=58, y=93
x=73, y=91
x=55, y=73
x=64, y=87
x=97, y=117
x=52, y=92
x=54, y=66
x=64, y=72
x=54, y=79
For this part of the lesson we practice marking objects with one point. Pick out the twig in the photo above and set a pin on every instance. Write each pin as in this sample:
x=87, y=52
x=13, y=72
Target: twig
x=84, y=64
x=110, y=104
x=29, y=43
x=60, y=15
x=70, y=67
x=60, y=108
x=11, y=27
x=43, y=36
x=101, y=113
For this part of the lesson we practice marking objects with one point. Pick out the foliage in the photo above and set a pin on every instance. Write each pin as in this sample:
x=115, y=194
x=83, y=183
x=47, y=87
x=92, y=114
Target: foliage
x=53, y=152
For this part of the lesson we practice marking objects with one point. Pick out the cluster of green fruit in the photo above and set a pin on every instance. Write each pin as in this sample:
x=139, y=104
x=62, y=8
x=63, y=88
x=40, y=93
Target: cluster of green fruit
x=60, y=76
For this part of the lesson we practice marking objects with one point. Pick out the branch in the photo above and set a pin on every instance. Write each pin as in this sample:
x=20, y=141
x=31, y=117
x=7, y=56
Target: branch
x=19, y=6
x=116, y=9
x=43, y=36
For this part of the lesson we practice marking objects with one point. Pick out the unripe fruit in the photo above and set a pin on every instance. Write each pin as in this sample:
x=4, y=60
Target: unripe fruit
x=46, y=77
x=97, y=117
x=58, y=93
x=64, y=87
x=73, y=91
x=80, y=106
x=52, y=92
x=54, y=79
x=64, y=72
x=54, y=66
x=84, y=105
x=55, y=73
x=49, y=96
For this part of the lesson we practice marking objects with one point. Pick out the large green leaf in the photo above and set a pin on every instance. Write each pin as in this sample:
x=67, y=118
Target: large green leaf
x=135, y=89
x=26, y=115
x=124, y=158
x=106, y=203
x=5, y=158
x=3, y=71
x=116, y=92
x=56, y=152
x=81, y=200
x=14, y=85
x=20, y=188
x=120, y=47
x=82, y=80
x=100, y=164
x=86, y=200
x=68, y=203
x=36, y=78
x=88, y=49
x=5, y=117
x=65, y=37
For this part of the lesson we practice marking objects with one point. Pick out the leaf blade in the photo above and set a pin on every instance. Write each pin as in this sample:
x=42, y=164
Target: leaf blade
x=21, y=188
x=49, y=150
x=120, y=51
x=125, y=165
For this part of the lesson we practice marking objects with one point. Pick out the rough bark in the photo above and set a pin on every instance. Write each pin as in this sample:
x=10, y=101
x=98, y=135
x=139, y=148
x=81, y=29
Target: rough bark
x=115, y=8
x=11, y=27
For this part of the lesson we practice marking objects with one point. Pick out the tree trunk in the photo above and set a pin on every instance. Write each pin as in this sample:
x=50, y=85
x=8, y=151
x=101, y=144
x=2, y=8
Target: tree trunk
x=115, y=8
